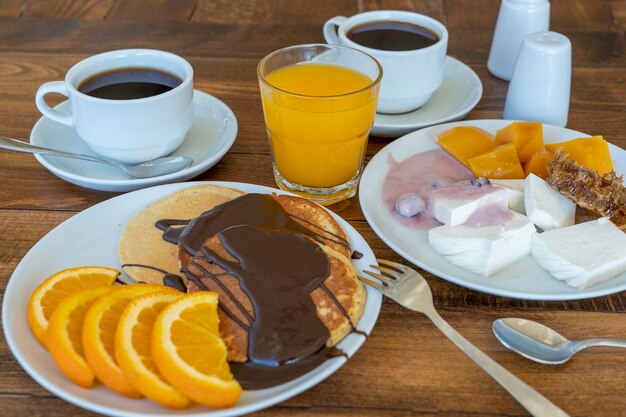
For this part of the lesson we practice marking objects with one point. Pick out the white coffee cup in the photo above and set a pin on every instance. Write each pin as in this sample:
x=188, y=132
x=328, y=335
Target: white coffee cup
x=130, y=131
x=409, y=77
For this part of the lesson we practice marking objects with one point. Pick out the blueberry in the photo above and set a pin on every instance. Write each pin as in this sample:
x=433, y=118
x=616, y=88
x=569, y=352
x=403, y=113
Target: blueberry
x=409, y=205
x=480, y=182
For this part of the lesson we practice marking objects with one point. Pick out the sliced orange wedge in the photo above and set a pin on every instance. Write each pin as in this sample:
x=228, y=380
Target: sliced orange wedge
x=99, y=335
x=189, y=352
x=49, y=294
x=133, y=348
x=64, y=335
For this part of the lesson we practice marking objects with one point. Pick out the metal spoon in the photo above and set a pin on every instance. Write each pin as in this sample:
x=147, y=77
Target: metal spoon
x=153, y=168
x=542, y=344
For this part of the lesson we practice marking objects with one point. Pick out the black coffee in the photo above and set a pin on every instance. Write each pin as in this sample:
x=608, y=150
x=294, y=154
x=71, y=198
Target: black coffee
x=393, y=35
x=129, y=83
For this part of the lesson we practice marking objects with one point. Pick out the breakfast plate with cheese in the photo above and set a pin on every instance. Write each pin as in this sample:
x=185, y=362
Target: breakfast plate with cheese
x=535, y=252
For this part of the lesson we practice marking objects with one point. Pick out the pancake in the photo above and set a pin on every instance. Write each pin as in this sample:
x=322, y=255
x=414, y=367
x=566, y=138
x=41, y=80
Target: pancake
x=316, y=219
x=342, y=283
x=306, y=213
x=288, y=292
x=142, y=243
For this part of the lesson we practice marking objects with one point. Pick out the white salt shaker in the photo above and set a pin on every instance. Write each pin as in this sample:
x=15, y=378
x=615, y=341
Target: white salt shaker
x=540, y=87
x=516, y=19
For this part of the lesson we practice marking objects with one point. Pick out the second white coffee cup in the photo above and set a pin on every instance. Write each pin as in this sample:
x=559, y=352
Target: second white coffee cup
x=127, y=130
x=410, y=77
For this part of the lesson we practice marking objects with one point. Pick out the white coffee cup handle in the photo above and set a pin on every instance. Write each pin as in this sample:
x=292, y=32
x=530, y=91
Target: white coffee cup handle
x=58, y=87
x=330, y=29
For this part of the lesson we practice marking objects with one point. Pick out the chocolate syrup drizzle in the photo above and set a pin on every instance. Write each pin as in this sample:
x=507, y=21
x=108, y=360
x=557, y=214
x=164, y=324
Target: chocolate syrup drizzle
x=356, y=255
x=278, y=268
x=169, y=280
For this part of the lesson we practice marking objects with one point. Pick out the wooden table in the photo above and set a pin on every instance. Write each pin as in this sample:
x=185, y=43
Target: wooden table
x=406, y=367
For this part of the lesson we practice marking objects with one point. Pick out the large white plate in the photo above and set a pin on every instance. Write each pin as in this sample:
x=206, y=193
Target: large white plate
x=525, y=279
x=212, y=133
x=90, y=238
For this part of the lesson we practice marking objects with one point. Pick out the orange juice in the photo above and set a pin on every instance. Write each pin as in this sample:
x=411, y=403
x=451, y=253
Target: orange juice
x=318, y=117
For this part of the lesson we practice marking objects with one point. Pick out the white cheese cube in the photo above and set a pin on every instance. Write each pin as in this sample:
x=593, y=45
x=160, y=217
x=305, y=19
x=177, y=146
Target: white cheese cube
x=484, y=250
x=455, y=204
x=515, y=191
x=545, y=207
x=584, y=254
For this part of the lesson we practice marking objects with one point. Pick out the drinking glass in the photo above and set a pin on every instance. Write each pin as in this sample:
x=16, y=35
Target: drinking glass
x=319, y=103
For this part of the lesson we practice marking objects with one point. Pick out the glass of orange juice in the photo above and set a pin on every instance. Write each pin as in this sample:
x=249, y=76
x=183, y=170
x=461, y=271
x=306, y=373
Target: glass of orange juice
x=319, y=103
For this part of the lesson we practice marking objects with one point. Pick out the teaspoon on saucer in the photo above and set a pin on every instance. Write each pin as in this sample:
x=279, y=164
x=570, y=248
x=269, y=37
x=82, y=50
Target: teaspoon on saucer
x=542, y=344
x=148, y=169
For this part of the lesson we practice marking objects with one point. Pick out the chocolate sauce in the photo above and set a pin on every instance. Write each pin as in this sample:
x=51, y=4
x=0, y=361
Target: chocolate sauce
x=356, y=255
x=251, y=209
x=214, y=277
x=169, y=280
x=277, y=266
x=119, y=281
x=335, y=238
x=285, y=326
x=174, y=281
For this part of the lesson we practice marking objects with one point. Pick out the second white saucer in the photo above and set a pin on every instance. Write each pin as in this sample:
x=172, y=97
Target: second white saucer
x=459, y=93
x=212, y=134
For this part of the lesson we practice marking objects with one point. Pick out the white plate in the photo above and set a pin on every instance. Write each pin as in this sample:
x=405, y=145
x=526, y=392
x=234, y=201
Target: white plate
x=212, y=134
x=91, y=238
x=459, y=93
x=524, y=279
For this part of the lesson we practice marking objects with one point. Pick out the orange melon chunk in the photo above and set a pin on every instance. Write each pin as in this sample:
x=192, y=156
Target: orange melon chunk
x=526, y=136
x=501, y=162
x=465, y=142
x=538, y=164
x=592, y=153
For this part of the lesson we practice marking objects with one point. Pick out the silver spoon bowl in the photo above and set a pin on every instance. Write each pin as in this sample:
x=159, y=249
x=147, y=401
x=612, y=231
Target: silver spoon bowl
x=541, y=344
x=149, y=169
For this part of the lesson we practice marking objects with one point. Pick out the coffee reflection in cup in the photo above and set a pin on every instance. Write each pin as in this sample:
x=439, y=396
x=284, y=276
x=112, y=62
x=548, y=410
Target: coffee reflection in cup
x=410, y=47
x=129, y=83
x=130, y=105
x=391, y=35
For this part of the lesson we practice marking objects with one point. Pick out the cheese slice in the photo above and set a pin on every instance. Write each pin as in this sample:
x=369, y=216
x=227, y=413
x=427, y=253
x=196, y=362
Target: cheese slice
x=484, y=250
x=584, y=254
x=547, y=208
x=455, y=204
x=515, y=192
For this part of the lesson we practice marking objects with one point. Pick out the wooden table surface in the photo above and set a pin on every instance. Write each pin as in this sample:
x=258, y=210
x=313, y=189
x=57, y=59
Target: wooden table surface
x=406, y=367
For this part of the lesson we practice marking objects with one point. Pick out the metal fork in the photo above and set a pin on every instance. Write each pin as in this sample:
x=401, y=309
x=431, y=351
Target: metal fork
x=408, y=288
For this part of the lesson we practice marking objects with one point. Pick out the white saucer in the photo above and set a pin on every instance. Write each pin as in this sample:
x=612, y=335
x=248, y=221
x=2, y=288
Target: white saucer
x=212, y=134
x=459, y=93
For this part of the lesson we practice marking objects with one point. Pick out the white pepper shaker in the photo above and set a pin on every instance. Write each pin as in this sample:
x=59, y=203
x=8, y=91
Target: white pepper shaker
x=539, y=90
x=516, y=19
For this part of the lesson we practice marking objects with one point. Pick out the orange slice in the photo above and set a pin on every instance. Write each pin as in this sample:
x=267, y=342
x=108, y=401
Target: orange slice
x=190, y=353
x=64, y=335
x=133, y=348
x=99, y=335
x=60, y=285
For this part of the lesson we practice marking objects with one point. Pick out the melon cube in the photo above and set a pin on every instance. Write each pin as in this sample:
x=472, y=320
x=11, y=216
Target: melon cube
x=592, y=153
x=465, y=142
x=501, y=162
x=526, y=136
x=538, y=164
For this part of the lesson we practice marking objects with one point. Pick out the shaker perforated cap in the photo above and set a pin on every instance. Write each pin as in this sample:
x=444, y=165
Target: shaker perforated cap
x=548, y=42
